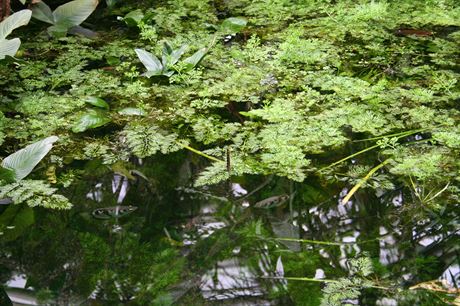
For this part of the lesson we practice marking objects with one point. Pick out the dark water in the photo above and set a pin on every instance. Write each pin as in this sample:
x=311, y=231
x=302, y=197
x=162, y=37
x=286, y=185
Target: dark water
x=154, y=239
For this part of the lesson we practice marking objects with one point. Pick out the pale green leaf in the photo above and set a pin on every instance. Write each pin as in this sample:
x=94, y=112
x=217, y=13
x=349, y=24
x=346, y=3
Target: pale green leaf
x=9, y=47
x=74, y=12
x=150, y=61
x=24, y=161
x=14, y=21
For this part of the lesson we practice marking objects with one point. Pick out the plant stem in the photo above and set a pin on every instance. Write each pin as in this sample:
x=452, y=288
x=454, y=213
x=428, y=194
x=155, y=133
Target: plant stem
x=199, y=152
x=368, y=176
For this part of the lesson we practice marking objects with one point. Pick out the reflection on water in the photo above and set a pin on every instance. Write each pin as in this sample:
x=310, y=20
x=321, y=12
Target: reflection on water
x=175, y=244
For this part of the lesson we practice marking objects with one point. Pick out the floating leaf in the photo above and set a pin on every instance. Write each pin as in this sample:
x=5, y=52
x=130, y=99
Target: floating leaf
x=132, y=111
x=14, y=21
x=90, y=120
x=24, y=161
x=233, y=25
x=150, y=61
x=98, y=102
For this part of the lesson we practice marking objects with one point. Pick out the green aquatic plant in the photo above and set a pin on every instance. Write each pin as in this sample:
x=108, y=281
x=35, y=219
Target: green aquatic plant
x=93, y=118
x=169, y=63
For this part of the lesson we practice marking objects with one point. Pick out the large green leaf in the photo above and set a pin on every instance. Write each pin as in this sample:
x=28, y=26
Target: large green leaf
x=233, y=25
x=9, y=47
x=14, y=21
x=42, y=12
x=74, y=12
x=133, y=18
x=24, y=161
x=98, y=102
x=90, y=120
x=150, y=61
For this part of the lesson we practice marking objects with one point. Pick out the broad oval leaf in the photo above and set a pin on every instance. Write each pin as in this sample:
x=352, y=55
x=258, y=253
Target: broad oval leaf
x=24, y=161
x=150, y=61
x=98, y=102
x=132, y=111
x=133, y=18
x=14, y=21
x=74, y=12
x=233, y=25
x=42, y=12
x=9, y=47
x=195, y=59
x=90, y=120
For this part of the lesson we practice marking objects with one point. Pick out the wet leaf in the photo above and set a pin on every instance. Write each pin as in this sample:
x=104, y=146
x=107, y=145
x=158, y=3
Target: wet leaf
x=90, y=120
x=98, y=102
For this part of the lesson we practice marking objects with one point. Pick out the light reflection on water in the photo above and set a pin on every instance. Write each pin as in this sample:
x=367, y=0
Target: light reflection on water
x=234, y=281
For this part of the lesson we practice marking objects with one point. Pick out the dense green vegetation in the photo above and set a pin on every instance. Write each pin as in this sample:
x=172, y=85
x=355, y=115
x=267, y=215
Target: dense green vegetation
x=321, y=95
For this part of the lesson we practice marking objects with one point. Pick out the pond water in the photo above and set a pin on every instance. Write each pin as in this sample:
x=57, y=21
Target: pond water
x=160, y=241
